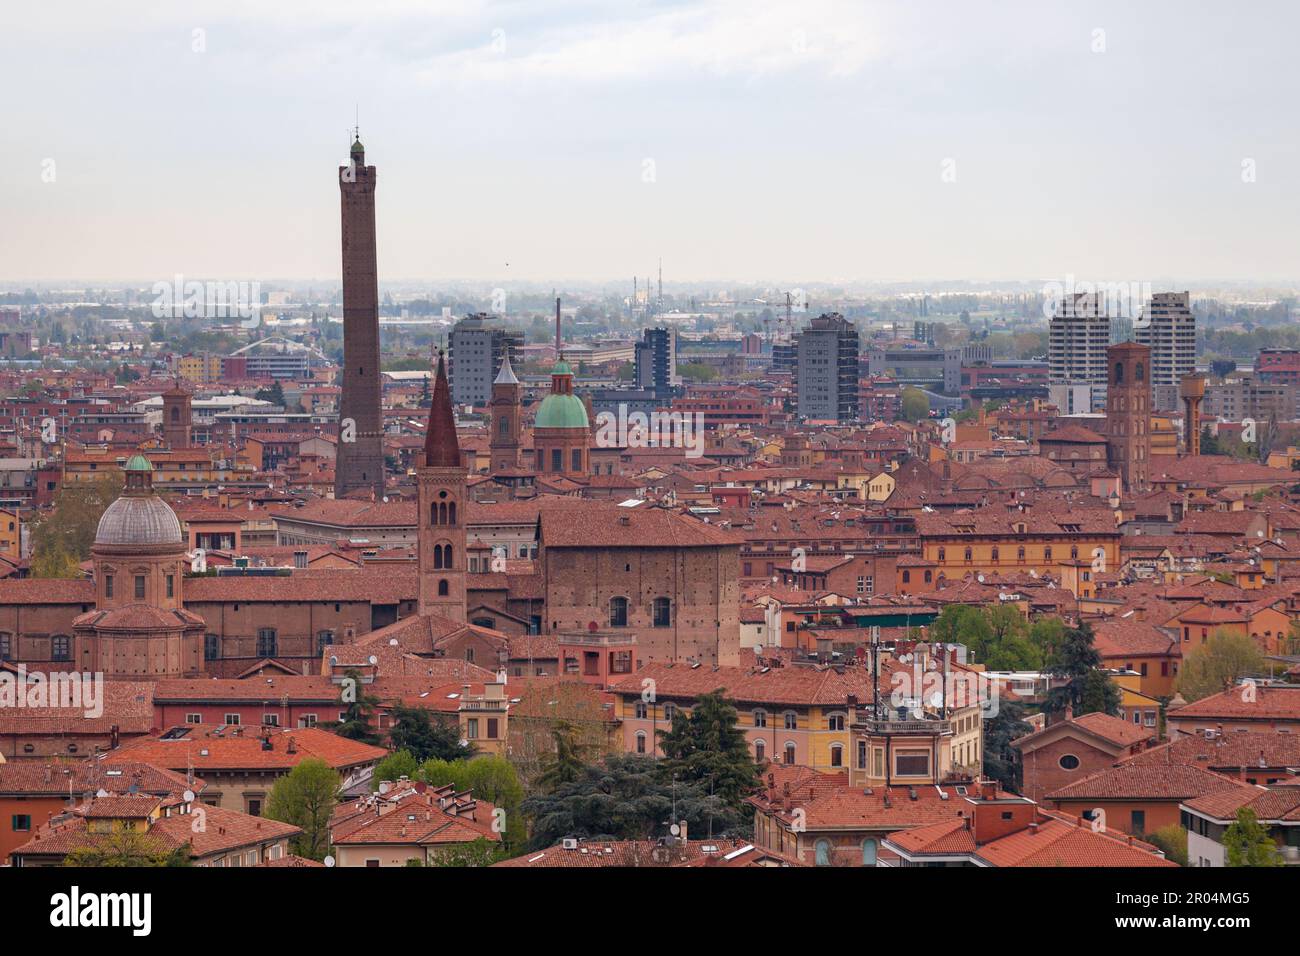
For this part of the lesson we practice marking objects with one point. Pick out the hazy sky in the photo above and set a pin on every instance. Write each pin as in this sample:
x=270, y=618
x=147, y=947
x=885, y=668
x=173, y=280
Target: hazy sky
x=793, y=139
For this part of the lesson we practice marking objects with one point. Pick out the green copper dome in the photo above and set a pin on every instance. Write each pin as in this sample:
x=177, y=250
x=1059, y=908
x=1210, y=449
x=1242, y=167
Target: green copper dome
x=561, y=411
x=137, y=463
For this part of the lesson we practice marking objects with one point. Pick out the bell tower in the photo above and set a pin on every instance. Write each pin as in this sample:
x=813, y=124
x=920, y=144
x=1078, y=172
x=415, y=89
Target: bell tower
x=505, y=406
x=1128, y=413
x=441, y=509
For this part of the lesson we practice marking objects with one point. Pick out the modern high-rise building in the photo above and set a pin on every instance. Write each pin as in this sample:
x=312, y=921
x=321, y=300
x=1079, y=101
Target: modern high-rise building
x=1078, y=336
x=360, y=457
x=826, y=370
x=479, y=345
x=1168, y=328
x=656, y=363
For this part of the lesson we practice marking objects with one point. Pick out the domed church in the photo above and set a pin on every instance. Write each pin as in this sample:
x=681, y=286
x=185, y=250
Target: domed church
x=561, y=430
x=139, y=628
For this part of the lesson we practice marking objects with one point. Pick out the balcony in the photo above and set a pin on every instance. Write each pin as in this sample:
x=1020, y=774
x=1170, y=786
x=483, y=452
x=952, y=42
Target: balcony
x=930, y=728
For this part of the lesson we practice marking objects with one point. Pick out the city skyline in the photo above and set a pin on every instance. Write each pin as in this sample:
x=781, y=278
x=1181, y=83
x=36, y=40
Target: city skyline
x=837, y=142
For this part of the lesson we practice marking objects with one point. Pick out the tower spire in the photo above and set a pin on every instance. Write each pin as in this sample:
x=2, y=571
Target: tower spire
x=441, y=449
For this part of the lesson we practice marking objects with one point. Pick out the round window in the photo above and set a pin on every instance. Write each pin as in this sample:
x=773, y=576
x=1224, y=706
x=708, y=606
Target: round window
x=1069, y=762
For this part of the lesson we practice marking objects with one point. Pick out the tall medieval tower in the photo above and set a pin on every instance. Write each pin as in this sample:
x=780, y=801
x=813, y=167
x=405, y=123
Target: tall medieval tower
x=505, y=407
x=360, y=460
x=177, y=416
x=441, y=510
x=1128, y=414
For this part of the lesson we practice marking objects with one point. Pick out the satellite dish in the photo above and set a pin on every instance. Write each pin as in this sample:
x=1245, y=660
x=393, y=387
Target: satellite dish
x=329, y=861
x=188, y=795
x=101, y=792
x=374, y=659
x=392, y=642
x=675, y=830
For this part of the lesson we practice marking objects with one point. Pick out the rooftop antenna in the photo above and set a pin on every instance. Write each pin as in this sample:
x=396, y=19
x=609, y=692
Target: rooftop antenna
x=558, y=354
x=659, y=306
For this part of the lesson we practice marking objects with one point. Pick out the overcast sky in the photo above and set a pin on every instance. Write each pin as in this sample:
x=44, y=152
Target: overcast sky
x=800, y=139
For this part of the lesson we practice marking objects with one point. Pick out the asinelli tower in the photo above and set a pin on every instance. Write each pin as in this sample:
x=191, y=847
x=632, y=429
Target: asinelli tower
x=359, y=464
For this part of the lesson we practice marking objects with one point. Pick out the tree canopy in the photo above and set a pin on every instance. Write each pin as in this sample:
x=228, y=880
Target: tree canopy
x=305, y=797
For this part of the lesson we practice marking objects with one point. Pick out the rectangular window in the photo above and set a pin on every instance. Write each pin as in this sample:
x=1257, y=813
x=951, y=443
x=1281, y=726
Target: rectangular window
x=139, y=587
x=492, y=728
x=20, y=822
x=171, y=585
x=307, y=720
x=471, y=728
x=108, y=585
x=231, y=719
x=912, y=763
x=193, y=718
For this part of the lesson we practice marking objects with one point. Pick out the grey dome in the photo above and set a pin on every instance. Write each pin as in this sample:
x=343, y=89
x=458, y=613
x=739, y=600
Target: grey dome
x=138, y=520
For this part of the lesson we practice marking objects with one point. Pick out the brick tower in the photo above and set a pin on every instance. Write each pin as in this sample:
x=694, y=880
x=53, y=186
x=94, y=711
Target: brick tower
x=505, y=406
x=441, y=510
x=360, y=461
x=177, y=416
x=1128, y=413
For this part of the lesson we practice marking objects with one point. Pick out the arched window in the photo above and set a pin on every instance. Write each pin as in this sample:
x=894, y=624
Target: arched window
x=442, y=588
x=837, y=755
x=1020, y=553
x=176, y=414
x=995, y=554
x=942, y=554
x=1140, y=373
x=640, y=741
x=868, y=852
x=1119, y=373
x=760, y=750
x=433, y=513
x=789, y=752
x=1047, y=553
x=968, y=554
x=503, y=424
x=663, y=612
x=835, y=722
x=618, y=612
x=823, y=852
x=451, y=514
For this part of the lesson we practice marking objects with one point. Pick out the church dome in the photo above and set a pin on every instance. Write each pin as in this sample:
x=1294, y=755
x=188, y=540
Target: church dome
x=138, y=517
x=561, y=411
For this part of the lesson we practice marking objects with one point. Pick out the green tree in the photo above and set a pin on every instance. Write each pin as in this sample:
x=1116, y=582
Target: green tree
x=1248, y=843
x=480, y=852
x=62, y=537
x=1076, y=660
x=707, y=746
x=393, y=767
x=356, y=723
x=915, y=405
x=626, y=797
x=566, y=762
x=127, y=848
x=1172, y=840
x=306, y=797
x=1219, y=664
x=416, y=732
x=1001, y=760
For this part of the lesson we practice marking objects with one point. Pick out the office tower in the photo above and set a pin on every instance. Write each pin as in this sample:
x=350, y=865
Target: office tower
x=1168, y=327
x=826, y=370
x=656, y=362
x=360, y=459
x=479, y=344
x=1128, y=414
x=1078, y=335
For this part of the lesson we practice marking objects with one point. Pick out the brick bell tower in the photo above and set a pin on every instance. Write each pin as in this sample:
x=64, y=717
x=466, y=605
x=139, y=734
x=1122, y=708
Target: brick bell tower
x=505, y=407
x=360, y=462
x=178, y=416
x=441, y=509
x=1128, y=414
